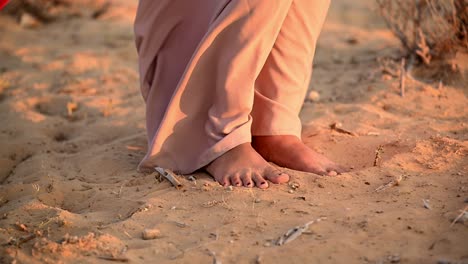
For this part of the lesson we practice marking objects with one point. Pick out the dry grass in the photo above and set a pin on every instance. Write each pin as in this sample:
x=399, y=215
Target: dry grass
x=47, y=11
x=428, y=29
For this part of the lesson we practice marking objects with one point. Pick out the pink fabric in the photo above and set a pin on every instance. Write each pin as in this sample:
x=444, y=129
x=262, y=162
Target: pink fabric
x=215, y=72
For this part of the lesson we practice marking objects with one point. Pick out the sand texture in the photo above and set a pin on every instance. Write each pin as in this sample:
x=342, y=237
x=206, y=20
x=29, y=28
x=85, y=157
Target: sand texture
x=72, y=132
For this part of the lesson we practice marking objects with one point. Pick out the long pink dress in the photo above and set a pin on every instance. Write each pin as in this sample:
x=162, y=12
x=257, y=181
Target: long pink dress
x=214, y=73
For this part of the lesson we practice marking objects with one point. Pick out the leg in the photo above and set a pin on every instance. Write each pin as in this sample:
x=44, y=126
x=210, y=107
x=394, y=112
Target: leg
x=205, y=119
x=281, y=87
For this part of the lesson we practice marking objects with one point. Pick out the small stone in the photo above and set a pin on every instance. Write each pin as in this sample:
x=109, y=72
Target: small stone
x=332, y=173
x=192, y=178
x=352, y=41
x=320, y=185
x=267, y=244
x=151, y=234
x=28, y=21
x=375, y=134
x=230, y=188
x=294, y=185
x=313, y=96
x=394, y=258
x=257, y=200
x=291, y=191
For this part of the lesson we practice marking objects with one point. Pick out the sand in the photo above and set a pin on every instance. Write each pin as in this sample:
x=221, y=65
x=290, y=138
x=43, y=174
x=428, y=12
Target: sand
x=72, y=133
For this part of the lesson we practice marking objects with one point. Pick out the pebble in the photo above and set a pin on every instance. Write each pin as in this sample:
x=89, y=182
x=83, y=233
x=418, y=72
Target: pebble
x=313, y=96
x=151, y=234
x=394, y=258
x=28, y=21
x=192, y=178
x=332, y=173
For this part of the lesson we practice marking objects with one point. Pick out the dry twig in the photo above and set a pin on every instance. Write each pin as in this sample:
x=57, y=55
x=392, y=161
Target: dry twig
x=459, y=216
x=426, y=204
x=394, y=182
x=170, y=176
x=114, y=258
x=295, y=232
x=338, y=128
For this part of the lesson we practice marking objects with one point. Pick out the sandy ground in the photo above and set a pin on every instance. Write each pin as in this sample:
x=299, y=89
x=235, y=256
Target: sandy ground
x=72, y=133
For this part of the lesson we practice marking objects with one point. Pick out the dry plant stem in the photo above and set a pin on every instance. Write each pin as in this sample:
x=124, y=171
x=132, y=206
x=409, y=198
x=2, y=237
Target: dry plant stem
x=378, y=155
x=459, y=216
x=116, y=259
x=170, y=176
x=423, y=50
x=402, y=79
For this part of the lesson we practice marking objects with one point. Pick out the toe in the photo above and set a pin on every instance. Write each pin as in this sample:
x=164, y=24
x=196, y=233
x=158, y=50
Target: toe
x=340, y=169
x=236, y=180
x=260, y=182
x=318, y=170
x=247, y=180
x=276, y=176
x=335, y=169
x=224, y=181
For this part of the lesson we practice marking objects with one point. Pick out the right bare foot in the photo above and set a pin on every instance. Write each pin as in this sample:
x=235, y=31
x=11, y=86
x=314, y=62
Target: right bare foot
x=243, y=166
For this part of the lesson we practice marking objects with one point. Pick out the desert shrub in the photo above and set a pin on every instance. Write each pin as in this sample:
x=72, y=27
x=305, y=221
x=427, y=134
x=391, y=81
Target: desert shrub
x=428, y=29
x=48, y=11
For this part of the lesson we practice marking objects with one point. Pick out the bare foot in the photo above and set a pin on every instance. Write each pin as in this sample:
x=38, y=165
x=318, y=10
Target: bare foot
x=289, y=151
x=243, y=166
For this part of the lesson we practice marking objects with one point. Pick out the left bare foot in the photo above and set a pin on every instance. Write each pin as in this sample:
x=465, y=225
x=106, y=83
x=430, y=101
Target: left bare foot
x=289, y=151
